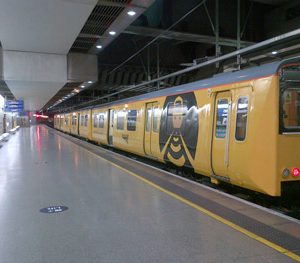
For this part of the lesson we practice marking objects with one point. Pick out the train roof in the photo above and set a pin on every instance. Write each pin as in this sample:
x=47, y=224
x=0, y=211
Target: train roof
x=216, y=80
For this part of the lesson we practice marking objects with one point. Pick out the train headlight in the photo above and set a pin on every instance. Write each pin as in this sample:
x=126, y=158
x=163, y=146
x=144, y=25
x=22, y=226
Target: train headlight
x=296, y=172
x=286, y=172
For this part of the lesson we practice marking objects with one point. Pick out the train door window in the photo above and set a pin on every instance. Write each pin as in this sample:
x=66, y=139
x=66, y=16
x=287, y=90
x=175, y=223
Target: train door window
x=148, y=119
x=241, y=118
x=74, y=120
x=81, y=120
x=101, y=121
x=95, y=121
x=120, y=120
x=86, y=117
x=155, y=119
x=131, y=120
x=222, y=115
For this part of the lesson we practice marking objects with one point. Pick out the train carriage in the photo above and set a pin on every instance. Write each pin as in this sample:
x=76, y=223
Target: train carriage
x=241, y=127
x=85, y=124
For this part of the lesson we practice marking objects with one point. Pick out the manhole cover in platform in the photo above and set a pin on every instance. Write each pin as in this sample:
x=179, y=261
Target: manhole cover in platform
x=54, y=209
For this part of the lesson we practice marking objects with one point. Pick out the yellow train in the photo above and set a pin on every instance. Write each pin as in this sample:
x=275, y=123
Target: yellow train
x=241, y=127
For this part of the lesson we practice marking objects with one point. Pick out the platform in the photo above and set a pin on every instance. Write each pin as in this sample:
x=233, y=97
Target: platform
x=120, y=210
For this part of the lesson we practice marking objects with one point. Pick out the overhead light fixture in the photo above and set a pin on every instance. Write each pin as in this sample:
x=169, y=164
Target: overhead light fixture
x=131, y=13
x=90, y=82
x=99, y=46
x=274, y=52
x=77, y=90
x=82, y=86
x=112, y=33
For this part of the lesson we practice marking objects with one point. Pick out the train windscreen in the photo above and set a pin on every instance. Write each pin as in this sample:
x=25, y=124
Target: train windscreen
x=290, y=98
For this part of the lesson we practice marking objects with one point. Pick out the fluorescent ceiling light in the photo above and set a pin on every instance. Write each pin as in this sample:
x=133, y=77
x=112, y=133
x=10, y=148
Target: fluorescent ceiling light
x=112, y=33
x=90, y=82
x=82, y=86
x=131, y=13
x=99, y=46
x=274, y=52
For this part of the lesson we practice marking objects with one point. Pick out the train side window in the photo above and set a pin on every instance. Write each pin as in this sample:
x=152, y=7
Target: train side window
x=176, y=114
x=222, y=114
x=95, y=124
x=131, y=120
x=81, y=120
x=86, y=120
x=155, y=119
x=120, y=120
x=101, y=121
x=241, y=118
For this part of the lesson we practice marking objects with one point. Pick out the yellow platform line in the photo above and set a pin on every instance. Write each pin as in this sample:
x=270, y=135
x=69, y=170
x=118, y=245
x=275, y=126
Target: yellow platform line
x=205, y=211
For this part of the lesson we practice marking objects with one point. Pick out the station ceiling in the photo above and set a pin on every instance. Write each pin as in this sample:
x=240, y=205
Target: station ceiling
x=124, y=60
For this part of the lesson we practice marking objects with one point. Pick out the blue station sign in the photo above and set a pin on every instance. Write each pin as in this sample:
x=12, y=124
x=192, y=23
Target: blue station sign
x=14, y=106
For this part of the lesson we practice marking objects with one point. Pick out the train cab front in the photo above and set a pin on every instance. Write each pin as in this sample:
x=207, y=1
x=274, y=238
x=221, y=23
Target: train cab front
x=289, y=126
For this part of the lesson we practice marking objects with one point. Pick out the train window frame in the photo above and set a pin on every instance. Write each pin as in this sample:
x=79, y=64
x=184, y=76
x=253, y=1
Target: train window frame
x=288, y=77
x=215, y=126
x=81, y=120
x=74, y=120
x=121, y=116
x=148, y=119
x=101, y=120
x=95, y=120
x=236, y=118
x=86, y=119
x=282, y=127
x=155, y=119
x=131, y=126
x=170, y=127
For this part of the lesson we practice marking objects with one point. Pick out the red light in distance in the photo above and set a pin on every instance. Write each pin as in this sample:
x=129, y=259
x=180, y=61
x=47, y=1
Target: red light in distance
x=296, y=172
x=40, y=116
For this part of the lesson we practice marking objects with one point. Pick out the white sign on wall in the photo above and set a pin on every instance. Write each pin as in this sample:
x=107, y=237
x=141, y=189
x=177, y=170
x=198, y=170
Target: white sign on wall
x=1, y=103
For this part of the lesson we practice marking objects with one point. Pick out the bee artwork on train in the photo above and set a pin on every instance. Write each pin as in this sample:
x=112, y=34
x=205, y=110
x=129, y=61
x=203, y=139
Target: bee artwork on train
x=179, y=129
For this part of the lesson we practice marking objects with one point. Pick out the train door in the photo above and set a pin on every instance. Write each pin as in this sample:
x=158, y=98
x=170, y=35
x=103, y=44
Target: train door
x=151, y=135
x=110, y=126
x=78, y=123
x=221, y=134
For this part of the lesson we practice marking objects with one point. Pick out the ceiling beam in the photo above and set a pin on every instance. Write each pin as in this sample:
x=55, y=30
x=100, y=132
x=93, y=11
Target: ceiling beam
x=140, y=4
x=180, y=36
x=110, y=3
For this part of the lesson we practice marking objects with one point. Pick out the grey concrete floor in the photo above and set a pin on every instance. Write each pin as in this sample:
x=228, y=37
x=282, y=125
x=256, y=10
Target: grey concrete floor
x=112, y=216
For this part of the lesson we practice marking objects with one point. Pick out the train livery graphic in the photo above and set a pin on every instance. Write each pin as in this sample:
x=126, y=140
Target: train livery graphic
x=179, y=129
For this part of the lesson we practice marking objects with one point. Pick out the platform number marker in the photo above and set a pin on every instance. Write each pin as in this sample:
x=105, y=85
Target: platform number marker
x=54, y=209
